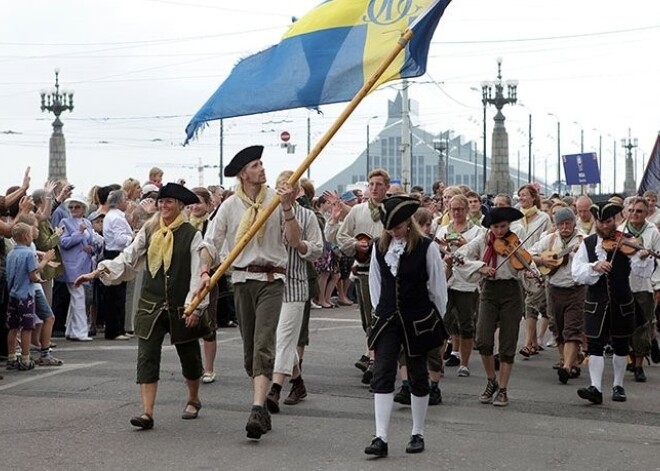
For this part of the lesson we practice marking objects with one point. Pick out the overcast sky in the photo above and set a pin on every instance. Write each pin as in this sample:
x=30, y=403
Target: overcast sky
x=140, y=69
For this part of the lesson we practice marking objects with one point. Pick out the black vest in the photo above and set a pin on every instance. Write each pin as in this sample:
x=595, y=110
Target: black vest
x=616, y=283
x=408, y=291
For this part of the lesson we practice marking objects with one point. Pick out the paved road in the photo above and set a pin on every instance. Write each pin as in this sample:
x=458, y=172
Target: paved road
x=76, y=417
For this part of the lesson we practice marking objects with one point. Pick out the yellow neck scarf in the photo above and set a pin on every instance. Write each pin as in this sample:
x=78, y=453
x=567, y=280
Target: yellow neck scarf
x=162, y=244
x=198, y=222
x=529, y=214
x=250, y=215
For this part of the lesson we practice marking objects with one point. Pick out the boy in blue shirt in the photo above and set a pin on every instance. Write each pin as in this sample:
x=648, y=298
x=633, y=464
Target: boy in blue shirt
x=22, y=272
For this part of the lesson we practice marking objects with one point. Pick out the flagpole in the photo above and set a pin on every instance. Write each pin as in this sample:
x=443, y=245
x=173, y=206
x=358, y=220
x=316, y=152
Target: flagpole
x=329, y=134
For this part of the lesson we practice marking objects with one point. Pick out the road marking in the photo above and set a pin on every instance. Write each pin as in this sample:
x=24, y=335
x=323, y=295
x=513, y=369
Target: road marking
x=330, y=319
x=59, y=370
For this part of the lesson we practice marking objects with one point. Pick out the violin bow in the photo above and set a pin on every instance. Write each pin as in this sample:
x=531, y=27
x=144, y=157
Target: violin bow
x=516, y=249
x=619, y=239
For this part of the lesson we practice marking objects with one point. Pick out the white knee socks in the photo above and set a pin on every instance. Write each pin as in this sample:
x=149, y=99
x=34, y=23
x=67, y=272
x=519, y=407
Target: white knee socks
x=383, y=410
x=419, y=406
x=619, y=366
x=596, y=367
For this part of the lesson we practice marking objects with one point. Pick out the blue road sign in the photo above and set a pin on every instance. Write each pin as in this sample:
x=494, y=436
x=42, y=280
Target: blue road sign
x=581, y=169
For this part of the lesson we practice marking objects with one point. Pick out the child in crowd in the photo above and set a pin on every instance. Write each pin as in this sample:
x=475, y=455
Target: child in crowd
x=22, y=273
x=43, y=329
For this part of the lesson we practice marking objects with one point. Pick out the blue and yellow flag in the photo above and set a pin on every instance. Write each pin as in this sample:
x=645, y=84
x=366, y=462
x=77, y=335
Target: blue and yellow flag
x=326, y=57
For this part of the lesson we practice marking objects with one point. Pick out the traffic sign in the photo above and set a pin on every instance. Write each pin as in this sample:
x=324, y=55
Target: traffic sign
x=285, y=136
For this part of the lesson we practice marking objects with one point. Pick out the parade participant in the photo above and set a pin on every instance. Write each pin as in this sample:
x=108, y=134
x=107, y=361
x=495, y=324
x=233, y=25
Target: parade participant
x=259, y=270
x=199, y=219
x=364, y=218
x=170, y=246
x=500, y=302
x=566, y=298
x=610, y=308
x=652, y=199
x=648, y=237
x=586, y=222
x=296, y=294
x=463, y=295
x=475, y=214
x=407, y=278
x=535, y=222
x=424, y=219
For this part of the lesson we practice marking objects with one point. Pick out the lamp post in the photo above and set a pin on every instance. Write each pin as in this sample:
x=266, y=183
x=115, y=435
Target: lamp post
x=629, y=144
x=368, y=141
x=56, y=102
x=600, y=159
x=492, y=93
x=558, y=153
x=440, y=146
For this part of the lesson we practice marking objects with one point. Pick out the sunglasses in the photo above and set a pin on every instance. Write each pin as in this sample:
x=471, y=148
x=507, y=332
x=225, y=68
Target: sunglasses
x=636, y=211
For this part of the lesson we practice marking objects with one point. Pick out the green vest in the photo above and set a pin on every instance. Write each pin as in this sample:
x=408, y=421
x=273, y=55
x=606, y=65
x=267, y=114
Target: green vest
x=166, y=293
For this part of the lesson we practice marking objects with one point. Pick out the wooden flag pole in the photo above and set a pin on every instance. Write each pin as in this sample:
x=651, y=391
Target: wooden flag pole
x=265, y=214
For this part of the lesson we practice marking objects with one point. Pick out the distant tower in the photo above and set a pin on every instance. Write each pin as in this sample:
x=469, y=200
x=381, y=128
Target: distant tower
x=57, y=102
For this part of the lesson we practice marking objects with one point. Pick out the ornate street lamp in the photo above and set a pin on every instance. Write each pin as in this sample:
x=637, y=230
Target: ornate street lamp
x=56, y=102
x=492, y=93
x=629, y=144
x=440, y=146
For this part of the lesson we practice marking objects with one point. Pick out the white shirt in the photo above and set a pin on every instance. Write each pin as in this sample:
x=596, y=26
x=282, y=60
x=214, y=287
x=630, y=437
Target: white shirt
x=436, y=285
x=117, y=232
x=457, y=281
x=650, y=239
x=562, y=278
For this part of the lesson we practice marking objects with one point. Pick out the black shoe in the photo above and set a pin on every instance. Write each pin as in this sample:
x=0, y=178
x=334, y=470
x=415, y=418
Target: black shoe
x=368, y=374
x=575, y=372
x=273, y=402
x=377, y=448
x=363, y=363
x=453, y=361
x=256, y=425
x=144, y=421
x=619, y=394
x=416, y=444
x=403, y=396
x=435, y=398
x=564, y=375
x=447, y=353
x=591, y=394
x=655, y=351
x=640, y=376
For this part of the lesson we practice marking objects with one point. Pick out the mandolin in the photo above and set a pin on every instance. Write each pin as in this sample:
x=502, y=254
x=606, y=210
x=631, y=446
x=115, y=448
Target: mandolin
x=363, y=257
x=553, y=259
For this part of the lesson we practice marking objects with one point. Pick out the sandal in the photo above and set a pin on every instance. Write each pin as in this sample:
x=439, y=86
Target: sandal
x=187, y=415
x=527, y=351
x=144, y=421
x=49, y=360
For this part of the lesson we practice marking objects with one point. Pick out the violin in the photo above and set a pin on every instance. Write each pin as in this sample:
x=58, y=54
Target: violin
x=446, y=252
x=363, y=257
x=519, y=258
x=627, y=244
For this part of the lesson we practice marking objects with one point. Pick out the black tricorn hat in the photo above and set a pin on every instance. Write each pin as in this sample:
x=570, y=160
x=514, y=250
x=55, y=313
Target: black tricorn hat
x=178, y=192
x=499, y=214
x=243, y=158
x=604, y=210
x=396, y=209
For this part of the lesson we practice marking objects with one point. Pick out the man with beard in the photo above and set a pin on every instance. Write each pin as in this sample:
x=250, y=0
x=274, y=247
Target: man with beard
x=642, y=288
x=610, y=308
x=565, y=297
